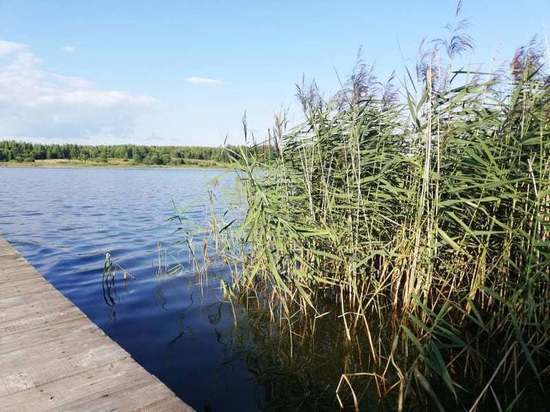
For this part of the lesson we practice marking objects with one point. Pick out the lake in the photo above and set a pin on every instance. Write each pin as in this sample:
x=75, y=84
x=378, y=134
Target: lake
x=178, y=327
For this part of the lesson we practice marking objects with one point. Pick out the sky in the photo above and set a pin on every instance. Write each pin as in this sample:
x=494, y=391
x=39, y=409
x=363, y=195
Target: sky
x=184, y=72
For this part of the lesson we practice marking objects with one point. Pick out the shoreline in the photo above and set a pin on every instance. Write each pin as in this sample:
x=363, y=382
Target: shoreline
x=71, y=164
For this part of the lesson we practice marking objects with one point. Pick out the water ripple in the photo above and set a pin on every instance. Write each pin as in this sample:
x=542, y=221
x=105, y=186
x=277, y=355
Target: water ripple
x=65, y=220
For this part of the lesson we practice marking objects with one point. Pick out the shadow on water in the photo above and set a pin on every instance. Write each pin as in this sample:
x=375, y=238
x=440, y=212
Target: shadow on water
x=300, y=368
x=313, y=364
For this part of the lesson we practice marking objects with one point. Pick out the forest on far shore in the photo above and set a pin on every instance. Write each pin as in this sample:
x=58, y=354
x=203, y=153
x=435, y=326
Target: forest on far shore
x=14, y=151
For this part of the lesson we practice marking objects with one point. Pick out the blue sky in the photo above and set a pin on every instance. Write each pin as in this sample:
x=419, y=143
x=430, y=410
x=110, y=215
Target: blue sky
x=183, y=72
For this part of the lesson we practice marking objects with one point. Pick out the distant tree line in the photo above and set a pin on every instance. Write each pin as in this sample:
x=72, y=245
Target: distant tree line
x=11, y=150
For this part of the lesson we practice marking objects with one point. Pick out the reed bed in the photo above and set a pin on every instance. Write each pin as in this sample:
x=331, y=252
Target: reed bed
x=416, y=218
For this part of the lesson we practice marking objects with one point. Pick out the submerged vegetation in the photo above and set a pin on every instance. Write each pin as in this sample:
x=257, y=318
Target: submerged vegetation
x=404, y=232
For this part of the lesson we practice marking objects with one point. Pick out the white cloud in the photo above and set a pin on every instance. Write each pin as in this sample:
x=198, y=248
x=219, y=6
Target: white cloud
x=8, y=47
x=36, y=103
x=69, y=49
x=204, y=80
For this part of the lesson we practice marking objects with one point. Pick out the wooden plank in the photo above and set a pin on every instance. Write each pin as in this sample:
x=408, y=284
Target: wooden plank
x=29, y=308
x=106, y=379
x=52, y=357
x=23, y=287
x=170, y=404
x=43, y=335
x=25, y=323
x=37, y=299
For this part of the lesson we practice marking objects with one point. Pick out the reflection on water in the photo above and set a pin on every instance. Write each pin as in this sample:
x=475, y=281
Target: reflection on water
x=109, y=282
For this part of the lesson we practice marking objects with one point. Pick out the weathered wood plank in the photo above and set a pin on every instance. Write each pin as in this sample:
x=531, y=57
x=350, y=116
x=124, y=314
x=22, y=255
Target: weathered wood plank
x=23, y=287
x=52, y=357
x=24, y=323
x=45, y=334
x=27, y=310
x=37, y=299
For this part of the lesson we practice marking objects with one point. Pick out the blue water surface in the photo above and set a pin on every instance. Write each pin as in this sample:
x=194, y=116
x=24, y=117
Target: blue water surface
x=168, y=317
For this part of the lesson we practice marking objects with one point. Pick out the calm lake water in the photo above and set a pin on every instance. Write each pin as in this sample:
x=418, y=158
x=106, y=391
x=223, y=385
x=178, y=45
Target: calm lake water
x=65, y=220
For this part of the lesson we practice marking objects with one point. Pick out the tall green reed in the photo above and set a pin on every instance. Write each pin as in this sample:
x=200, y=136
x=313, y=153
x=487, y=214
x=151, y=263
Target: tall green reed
x=419, y=215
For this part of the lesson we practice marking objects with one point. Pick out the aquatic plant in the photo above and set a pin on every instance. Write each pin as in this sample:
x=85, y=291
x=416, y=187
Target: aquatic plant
x=111, y=267
x=417, y=219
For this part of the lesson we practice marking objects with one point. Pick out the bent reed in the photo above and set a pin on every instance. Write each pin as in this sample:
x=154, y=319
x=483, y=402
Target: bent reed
x=416, y=219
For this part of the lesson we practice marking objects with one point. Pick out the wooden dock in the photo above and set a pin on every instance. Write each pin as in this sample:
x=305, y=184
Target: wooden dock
x=52, y=357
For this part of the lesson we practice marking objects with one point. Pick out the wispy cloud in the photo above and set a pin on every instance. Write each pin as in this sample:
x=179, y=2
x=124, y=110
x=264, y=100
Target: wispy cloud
x=204, y=80
x=8, y=47
x=69, y=49
x=35, y=102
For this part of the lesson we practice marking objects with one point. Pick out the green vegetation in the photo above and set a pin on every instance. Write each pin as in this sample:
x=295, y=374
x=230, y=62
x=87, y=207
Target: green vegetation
x=13, y=151
x=403, y=234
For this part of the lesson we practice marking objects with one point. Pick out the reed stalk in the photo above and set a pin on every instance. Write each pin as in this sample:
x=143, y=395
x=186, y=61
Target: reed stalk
x=419, y=218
